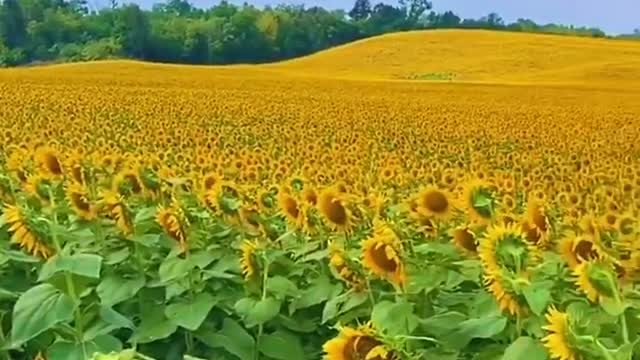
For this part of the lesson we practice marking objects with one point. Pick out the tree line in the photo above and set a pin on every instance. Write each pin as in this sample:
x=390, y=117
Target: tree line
x=175, y=31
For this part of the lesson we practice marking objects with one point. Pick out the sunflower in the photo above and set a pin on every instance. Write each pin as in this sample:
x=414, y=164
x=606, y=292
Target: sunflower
x=250, y=218
x=479, y=201
x=290, y=208
x=332, y=207
x=436, y=203
x=115, y=208
x=576, y=249
x=248, y=260
x=538, y=222
x=78, y=198
x=48, y=161
x=505, y=247
x=356, y=344
x=382, y=253
x=128, y=183
x=465, y=239
x=558, y=340
x=310, y=196
x=501, y=287
x=343, y=268
x=173, y=222
x=210, y=181
x=23, y=235
x=596, y=279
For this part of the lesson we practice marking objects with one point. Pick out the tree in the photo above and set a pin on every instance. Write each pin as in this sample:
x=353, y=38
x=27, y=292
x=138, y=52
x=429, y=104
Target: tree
x=13, y=25
x=415, y=9
x=361, y=10
x=132, y=28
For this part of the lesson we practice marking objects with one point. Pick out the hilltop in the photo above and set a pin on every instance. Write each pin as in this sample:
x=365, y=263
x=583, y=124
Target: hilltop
x=466, y=56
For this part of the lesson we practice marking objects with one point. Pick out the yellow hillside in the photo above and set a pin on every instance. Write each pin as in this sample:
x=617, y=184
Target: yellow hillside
x=485, y=56
x=442, y=55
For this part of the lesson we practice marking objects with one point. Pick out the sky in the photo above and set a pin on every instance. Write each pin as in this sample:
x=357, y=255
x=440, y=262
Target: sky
x=613, y=16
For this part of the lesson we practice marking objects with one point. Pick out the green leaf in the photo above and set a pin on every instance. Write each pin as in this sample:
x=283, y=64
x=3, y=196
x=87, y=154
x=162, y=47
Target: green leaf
x=232, y=337
x=173, y=268
x=107, y=321
x=88, y=265
x=115, y=289
x=117, y=257
x=467, y=330
x=37, y=310
x=331, y=308
x=397, y=318
x=191, y=314
x=441, y=324
x=538, y=298
x=263, y=311
x=354, y=300
x=147, y=240
x=65, y=350
x=612, y=306
x=19, y=256
x=281, y=346
x=154, y=326
x=281, y=287
x=525, y=348
x=322, y=290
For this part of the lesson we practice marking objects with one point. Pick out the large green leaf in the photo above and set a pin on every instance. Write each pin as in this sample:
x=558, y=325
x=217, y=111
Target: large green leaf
x=115, y=289
x=37, y=310
x=191, y=314
x=106, y=322
x=173, y=268
x=397, y=318
x=232, y=337
x=65, y=350
x=444, y=323
x=332, y=308
x=281, y=346
x=263, y=311
x=467, y=330
x=154, y=326
x=321, y=290
x=88, y=265
x=281, y=287
x=525, y=348
x=538, y=298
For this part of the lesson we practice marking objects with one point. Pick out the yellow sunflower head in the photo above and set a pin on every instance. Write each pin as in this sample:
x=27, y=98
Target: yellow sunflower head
x=360, y=343
x=113, y=206
x=332, y=207
x=506, y=289
x=436, y=203
x=505, y=248
x=249, y=261
x=48, y=161
x=173, y=222
x=576, y=249
x=78, y=198
x=558, y=340
x=343, y=267
x=128, y=183
x=290, y=209
x=596, y=279
x=479, y=200
x=382, y=255
x=250, y=217
x=465, y=239
x=23, y=235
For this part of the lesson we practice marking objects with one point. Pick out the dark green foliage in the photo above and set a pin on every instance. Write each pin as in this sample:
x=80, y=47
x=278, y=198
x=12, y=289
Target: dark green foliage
x=175, y=31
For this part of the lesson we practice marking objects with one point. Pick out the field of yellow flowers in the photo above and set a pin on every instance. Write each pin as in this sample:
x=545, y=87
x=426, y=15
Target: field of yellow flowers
x=258, y=212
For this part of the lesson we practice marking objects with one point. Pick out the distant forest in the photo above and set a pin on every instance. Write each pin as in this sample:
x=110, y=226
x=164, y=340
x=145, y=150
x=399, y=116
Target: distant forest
x=36, y=31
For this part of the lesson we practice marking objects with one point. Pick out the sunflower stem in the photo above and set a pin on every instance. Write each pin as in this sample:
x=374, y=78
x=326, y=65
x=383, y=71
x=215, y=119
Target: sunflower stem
x=605, y=352
x=623, y=318
x=67, y=275
x=265, y=277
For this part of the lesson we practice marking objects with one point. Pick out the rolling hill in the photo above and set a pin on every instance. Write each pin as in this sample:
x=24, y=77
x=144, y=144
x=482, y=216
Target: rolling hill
x=467, y=56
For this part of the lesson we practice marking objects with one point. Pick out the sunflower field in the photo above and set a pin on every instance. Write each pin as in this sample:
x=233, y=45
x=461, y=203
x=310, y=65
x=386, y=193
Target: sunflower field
x=245, y=213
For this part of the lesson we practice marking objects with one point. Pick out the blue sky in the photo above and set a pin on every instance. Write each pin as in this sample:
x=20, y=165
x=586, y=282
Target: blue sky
x=614, y=16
